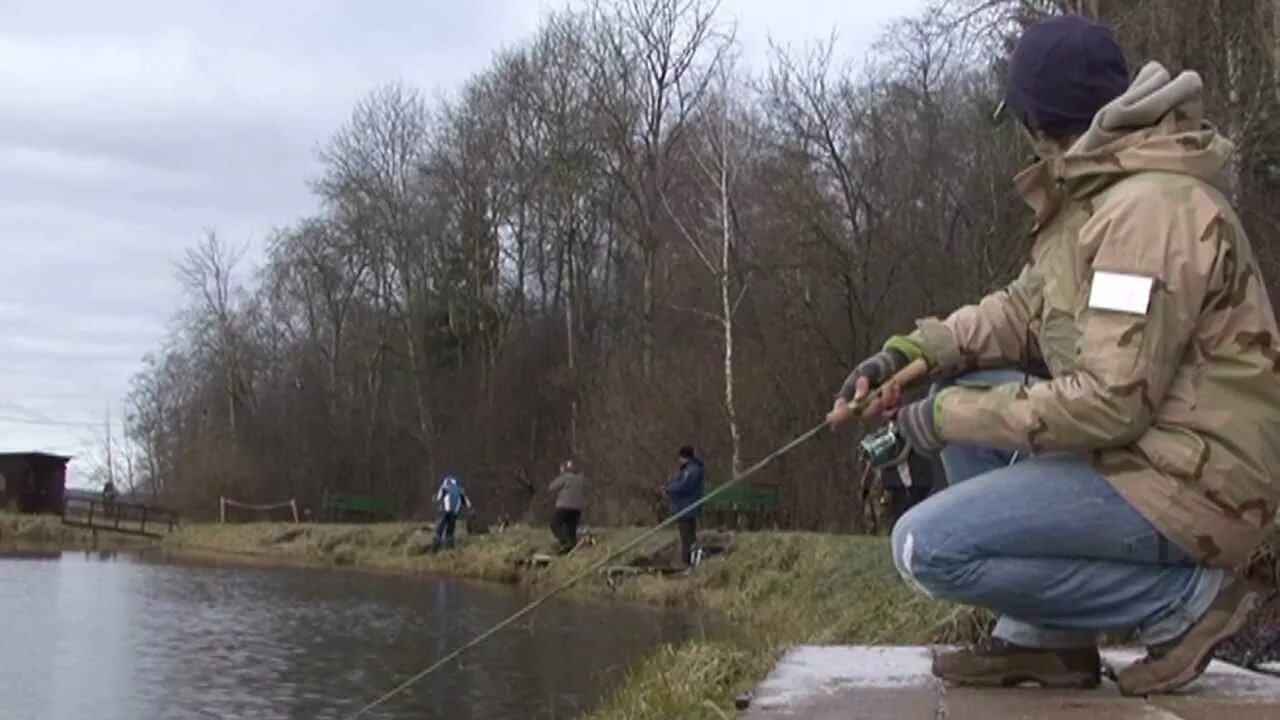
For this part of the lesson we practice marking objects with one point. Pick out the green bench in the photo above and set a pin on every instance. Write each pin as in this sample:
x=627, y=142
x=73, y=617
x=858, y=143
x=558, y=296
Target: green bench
x=338, y=507
x=743, y=507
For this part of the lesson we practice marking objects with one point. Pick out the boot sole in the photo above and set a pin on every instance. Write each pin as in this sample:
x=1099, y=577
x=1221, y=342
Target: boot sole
x=1072, y=681
x=1238, y=620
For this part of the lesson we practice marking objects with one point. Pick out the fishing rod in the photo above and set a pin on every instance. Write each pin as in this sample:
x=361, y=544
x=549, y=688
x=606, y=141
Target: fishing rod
x=909, y=375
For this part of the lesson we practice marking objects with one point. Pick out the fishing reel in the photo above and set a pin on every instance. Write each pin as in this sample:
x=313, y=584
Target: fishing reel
x=904, y=476
x=884, y=448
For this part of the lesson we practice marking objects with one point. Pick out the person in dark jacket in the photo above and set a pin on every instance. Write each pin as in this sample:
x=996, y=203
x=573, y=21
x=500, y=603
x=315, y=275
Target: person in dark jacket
x=682, y=492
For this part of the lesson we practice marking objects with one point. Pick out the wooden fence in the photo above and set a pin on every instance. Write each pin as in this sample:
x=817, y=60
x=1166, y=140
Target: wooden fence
x=115, y=516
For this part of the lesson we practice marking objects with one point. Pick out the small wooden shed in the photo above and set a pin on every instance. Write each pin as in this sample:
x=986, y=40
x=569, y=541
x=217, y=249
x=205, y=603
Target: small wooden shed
x=33, y=482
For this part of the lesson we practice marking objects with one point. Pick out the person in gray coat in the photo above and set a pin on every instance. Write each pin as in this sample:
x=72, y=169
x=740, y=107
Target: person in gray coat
x=570, y=488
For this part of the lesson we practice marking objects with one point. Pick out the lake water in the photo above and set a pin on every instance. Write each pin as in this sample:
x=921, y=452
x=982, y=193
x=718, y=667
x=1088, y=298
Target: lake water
x=130, y=637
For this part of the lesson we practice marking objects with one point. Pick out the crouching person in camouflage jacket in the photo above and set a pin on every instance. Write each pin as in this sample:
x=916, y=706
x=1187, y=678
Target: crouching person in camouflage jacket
x=1125, y=490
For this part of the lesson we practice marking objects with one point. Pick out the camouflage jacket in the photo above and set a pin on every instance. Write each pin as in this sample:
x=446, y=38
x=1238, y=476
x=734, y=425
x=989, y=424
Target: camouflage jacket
x=1144, y=299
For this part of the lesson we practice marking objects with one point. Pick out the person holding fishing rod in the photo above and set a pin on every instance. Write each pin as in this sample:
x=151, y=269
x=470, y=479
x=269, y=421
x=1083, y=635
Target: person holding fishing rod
x=570, y=488
x=684, y=492
x=1123, y=485
x=452, y=500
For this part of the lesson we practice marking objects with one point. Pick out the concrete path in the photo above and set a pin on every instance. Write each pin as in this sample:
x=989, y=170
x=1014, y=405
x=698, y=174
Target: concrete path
x=853, y=683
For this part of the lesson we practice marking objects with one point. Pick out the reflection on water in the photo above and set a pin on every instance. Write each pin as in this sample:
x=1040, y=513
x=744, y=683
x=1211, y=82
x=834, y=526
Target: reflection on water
x=121, y=637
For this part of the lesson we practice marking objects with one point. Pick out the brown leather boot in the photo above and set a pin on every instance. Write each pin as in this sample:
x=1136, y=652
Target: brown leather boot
x=1176, y=663
x=996, y=663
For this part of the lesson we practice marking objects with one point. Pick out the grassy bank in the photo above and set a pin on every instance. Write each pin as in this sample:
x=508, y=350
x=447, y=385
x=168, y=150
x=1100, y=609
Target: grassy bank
x=401, y=547
x=47, y=531
x=783, y=589
x=779, y=588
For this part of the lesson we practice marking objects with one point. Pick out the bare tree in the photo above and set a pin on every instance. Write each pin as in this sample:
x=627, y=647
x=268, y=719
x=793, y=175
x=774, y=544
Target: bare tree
x=654, y=60
x=207, y=273
x=726, y=140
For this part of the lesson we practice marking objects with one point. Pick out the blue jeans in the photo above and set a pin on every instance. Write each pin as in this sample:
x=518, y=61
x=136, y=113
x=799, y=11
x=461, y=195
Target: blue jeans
x=1049, y=545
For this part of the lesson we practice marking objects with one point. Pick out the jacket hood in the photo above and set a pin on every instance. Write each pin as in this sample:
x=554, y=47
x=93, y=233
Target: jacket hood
x=1156, y=125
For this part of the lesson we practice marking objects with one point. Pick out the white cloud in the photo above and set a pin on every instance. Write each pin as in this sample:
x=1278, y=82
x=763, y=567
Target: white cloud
x=51, y=165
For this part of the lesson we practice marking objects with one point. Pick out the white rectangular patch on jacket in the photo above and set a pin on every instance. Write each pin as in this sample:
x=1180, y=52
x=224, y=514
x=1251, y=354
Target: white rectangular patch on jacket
x=1121, y=292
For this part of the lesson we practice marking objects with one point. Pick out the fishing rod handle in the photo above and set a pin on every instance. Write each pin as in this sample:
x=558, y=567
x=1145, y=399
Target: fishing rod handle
x=913, y=373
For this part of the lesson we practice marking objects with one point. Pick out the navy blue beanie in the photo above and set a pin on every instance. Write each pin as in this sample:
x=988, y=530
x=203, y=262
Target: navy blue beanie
x=1063, y=70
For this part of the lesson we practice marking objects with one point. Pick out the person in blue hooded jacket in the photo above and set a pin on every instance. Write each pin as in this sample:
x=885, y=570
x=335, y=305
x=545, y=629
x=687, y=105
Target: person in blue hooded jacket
x=452, y=500
x=682, y=492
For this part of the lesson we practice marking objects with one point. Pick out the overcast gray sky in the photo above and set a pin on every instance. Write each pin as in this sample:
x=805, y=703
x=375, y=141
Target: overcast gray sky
x=130, y=126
